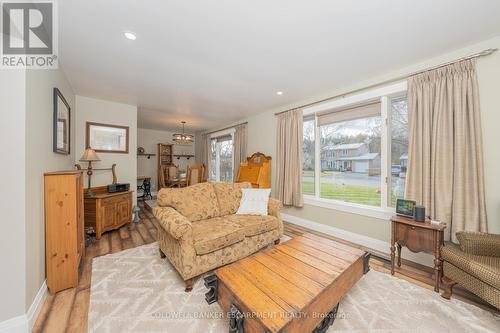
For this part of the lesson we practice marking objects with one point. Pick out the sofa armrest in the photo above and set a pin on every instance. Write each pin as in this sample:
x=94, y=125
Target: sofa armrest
x=479, y=243
x=274, y=207
x=177, y=225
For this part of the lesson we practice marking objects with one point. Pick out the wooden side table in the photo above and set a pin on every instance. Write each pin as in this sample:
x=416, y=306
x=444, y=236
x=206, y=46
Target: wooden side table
x=418, y=237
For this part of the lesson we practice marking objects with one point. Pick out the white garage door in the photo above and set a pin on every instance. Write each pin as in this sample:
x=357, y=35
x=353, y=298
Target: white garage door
x=361, y=166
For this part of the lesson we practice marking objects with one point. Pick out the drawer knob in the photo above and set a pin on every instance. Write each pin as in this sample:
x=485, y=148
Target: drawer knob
x=412, y=228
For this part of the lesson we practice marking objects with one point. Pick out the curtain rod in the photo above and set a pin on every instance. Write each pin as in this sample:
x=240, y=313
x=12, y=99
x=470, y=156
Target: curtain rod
x=472, y=56
x=225, y=128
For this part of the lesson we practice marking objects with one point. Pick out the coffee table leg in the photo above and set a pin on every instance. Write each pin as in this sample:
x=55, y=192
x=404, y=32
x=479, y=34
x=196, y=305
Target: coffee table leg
x=235, y=320
x=211, y=283
x=328, y=321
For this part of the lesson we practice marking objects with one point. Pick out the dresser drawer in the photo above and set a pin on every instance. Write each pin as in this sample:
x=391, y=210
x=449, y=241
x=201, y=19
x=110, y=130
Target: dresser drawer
x=414, y=238
x=114, y=199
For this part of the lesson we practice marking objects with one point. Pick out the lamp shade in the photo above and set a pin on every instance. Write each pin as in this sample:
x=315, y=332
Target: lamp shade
x=89, y=156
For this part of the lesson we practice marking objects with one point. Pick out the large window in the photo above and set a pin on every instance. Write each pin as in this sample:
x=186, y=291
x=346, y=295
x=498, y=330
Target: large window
x=359, y=152
x=221, y=159
x=350, y=159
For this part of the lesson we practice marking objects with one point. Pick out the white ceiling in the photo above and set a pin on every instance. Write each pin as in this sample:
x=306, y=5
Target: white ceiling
x=214, y=62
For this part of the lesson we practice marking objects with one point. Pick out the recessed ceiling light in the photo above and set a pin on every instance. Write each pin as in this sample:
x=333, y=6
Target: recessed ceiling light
x=130, y=35
x=279, y=93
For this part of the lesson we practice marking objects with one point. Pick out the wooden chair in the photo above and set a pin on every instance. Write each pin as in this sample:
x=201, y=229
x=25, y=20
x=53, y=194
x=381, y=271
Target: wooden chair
x=195, y=174
x=161, y=178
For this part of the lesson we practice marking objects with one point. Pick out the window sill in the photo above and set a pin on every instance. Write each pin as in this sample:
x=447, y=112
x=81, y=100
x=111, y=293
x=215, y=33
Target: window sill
x=376, y=212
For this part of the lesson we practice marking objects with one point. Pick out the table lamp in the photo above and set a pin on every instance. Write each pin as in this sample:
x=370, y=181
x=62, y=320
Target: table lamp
x=89, y=156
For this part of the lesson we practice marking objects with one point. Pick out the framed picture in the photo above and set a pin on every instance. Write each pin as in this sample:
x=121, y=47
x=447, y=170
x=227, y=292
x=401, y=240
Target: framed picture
x=405, y=207
x=106, y=138
x=61, y=131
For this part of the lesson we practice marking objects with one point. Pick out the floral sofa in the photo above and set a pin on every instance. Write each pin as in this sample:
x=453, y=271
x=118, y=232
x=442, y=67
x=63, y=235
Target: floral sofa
x=200, y=231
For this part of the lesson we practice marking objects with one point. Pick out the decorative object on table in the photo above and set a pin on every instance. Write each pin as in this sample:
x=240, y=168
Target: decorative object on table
x=405, y=207
x=183, y=138
x=136, y=211
x=105, y=138
x=418, y=237
x=256, y=170
x=254, y=201
x=419, y=213
x=474, y=264
x=107, y=211
x=90, y=170
x=61, y=131
x=118, y=187
x=164, y=160
x=64, y=228
x=89, y=155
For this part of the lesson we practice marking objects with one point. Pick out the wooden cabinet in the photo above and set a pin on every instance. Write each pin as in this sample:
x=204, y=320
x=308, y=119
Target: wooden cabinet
x=107, y=211
x=64, y=232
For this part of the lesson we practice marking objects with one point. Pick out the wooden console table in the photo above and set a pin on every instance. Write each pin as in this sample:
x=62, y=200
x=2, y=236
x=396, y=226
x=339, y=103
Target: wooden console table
x=107, y=211
x=418, y=237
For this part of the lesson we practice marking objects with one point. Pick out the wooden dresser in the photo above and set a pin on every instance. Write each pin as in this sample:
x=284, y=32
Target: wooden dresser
x=64, y=232
x=418, y=237
x=107, y=211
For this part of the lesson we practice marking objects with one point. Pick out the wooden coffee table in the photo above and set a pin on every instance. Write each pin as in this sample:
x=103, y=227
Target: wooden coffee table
x=292, y=287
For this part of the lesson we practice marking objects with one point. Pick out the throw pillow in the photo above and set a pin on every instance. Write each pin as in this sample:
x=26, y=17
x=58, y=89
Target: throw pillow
x=254, y=201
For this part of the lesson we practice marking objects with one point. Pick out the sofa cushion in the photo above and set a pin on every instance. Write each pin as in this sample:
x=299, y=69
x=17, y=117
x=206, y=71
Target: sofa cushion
x=484, y=268
x=229, y=196
x=254, y=224
x=214, y=234
x=197, y=202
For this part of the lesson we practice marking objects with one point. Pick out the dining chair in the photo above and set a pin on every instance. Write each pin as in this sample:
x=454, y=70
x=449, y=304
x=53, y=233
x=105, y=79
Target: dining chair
x=195, y=174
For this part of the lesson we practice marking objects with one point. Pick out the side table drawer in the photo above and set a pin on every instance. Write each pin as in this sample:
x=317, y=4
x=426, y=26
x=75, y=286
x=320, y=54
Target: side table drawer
x=414, y=238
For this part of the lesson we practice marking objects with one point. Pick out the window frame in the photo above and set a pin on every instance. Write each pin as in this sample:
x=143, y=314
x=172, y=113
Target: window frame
x=383, y=95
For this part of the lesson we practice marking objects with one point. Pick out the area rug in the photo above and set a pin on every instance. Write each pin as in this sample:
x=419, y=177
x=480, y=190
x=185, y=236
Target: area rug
x=137, y=291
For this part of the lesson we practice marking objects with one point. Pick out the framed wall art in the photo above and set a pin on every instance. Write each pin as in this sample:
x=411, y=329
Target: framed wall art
x=61, y=124
x=105, y=138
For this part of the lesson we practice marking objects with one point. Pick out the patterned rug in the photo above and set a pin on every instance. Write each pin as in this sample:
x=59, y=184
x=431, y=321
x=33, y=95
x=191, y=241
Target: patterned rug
x=137, y=291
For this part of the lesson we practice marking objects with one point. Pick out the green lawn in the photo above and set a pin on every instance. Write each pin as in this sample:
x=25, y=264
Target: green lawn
x=351, y=193
x=310, y=173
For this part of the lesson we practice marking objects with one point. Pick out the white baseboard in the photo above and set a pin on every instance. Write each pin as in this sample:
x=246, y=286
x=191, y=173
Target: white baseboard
x=37, y=304
x=371, y=243
x=17, y=324
x=25, y=322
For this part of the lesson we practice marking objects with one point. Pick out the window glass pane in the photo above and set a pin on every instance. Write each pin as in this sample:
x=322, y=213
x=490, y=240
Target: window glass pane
x=308, y=162
x=399, y=148
x=213, y=162
x=350, y=161
x=226, y=161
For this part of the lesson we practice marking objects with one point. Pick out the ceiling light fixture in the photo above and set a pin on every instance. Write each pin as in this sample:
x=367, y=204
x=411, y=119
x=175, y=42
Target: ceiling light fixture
x=183, y=138
x=279, y=93
x=130, y=35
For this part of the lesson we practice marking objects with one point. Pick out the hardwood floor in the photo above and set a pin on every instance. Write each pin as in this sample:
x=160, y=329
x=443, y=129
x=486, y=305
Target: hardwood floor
x=67, y=310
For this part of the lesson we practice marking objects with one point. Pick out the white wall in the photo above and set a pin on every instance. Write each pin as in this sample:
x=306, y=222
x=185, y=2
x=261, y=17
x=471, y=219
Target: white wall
x=149, y=139
x=40, y=159
x=262, y=136
x=12, y=203
x=100, y=111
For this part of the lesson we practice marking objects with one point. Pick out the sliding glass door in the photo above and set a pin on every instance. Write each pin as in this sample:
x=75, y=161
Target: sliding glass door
x=221, y=159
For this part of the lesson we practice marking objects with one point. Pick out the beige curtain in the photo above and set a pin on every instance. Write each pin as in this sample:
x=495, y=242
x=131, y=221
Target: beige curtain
x=289, y=141
x=240, y=147
x=205, y=153
x=445, y=172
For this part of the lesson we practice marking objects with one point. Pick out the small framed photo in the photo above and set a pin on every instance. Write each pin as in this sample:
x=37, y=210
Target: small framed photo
x=405, y=207
x=105, y=138
x=61, y=131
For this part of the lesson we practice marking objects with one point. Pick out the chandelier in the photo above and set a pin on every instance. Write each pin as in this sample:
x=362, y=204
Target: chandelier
x=183, y=138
